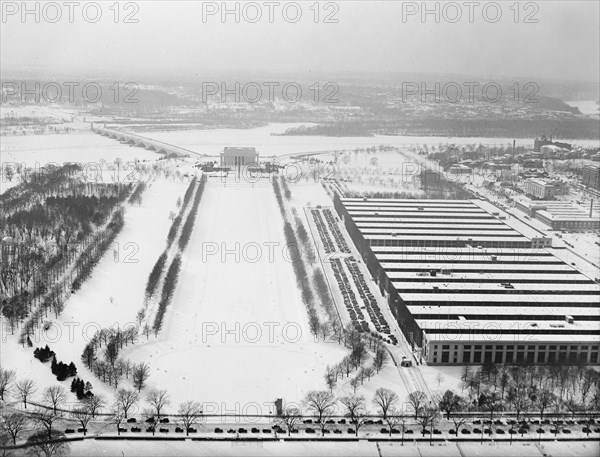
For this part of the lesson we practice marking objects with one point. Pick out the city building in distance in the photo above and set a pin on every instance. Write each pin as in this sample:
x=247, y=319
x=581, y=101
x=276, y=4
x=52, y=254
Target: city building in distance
x=561, y=215
x=591, y=176
x=467, y=287
x=539, y=188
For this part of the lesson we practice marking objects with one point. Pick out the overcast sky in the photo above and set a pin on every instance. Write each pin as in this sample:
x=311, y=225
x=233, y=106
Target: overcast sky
x=171, y=38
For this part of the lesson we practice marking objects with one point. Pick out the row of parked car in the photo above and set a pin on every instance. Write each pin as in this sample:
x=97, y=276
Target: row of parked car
x=150, y=429
x=522, y=427
x=323, y=233
x=354, y=311
x=370, y=303
x=242, y=430
x=337, y=233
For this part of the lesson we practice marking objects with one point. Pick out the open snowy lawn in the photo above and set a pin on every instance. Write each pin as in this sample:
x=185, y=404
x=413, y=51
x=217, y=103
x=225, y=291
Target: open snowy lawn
x=82, y=147
x=111, y=297
x=236, y=331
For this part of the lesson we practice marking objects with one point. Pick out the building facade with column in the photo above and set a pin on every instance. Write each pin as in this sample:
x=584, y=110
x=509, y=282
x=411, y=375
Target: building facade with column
x=239, y=157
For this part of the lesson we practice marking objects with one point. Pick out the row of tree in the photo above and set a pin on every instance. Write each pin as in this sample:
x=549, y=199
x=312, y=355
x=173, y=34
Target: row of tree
x=48, y=220
x=176, y=221
x=532, y=387
x=101, y=356
x=359, y=345
x=42, y=423
x=309, y=279
x=188, y=227
x=169, y=285
x=323, y=405
x=154, y=277
x=62, y=286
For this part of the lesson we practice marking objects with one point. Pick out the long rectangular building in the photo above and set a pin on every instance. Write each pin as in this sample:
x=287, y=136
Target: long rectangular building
x=468, y=285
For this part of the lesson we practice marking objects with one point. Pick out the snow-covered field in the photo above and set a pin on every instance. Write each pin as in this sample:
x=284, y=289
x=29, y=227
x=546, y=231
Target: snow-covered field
x=334, y=448
x=110, y=298
x=82, y=147
x=236, y=333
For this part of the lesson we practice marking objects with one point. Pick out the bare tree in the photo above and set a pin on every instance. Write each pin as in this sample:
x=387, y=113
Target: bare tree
x=40, y=446
x=25, y=389
x=346, y=366
x=6, y=378
x=517, y=397
x=544, y=399
x=450, y=402
x=465, y=376
x=493, y=402
x=354, y=383
x=290, y=416
x=392, y=418
x=82, y=415
x=320, y=402
x=572, y=404
x=417, y=400
x=126, y=399
x=55, y=396
x=439, y=379
x=380, y=359
x=95, y=403
x=141, y=372
x=355, y=406
x=117, y=416
x=458, y=423
x=13, y=424
x=427, y=417
x=127, y=368
x=385, y=399
x=46, y=418
x=158, y=399
x=111, y=352
x=190, y=412
x=331, y=378
x=367, y=372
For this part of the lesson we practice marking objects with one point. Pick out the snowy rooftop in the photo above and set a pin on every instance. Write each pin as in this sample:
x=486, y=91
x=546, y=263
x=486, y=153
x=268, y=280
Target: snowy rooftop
x=484, y=287
x=483, y=298
x=459, y=277
x=532, y=327
x=508, y=338
x=478, y=265
x=502, y=310
x=468, y=278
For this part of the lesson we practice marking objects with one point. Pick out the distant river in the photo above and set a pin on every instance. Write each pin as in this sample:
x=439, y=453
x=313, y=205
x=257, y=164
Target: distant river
x=268, y=143
x=588, y=107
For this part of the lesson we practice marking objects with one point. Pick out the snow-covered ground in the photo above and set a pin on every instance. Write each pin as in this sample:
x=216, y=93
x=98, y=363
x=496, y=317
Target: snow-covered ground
x=333, y=448
x=110, y=298
x=268, y=143
x=236, y=334
x=81, y=147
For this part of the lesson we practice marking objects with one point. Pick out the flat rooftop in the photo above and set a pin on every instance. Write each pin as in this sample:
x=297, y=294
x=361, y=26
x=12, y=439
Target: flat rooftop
x=453, y=261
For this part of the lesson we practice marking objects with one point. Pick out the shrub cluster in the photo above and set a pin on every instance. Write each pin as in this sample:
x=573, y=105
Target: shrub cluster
x=61, y=370
x=81, y=389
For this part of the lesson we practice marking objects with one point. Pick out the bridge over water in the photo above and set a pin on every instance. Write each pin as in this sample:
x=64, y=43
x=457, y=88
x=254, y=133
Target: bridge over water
x=150, y=144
